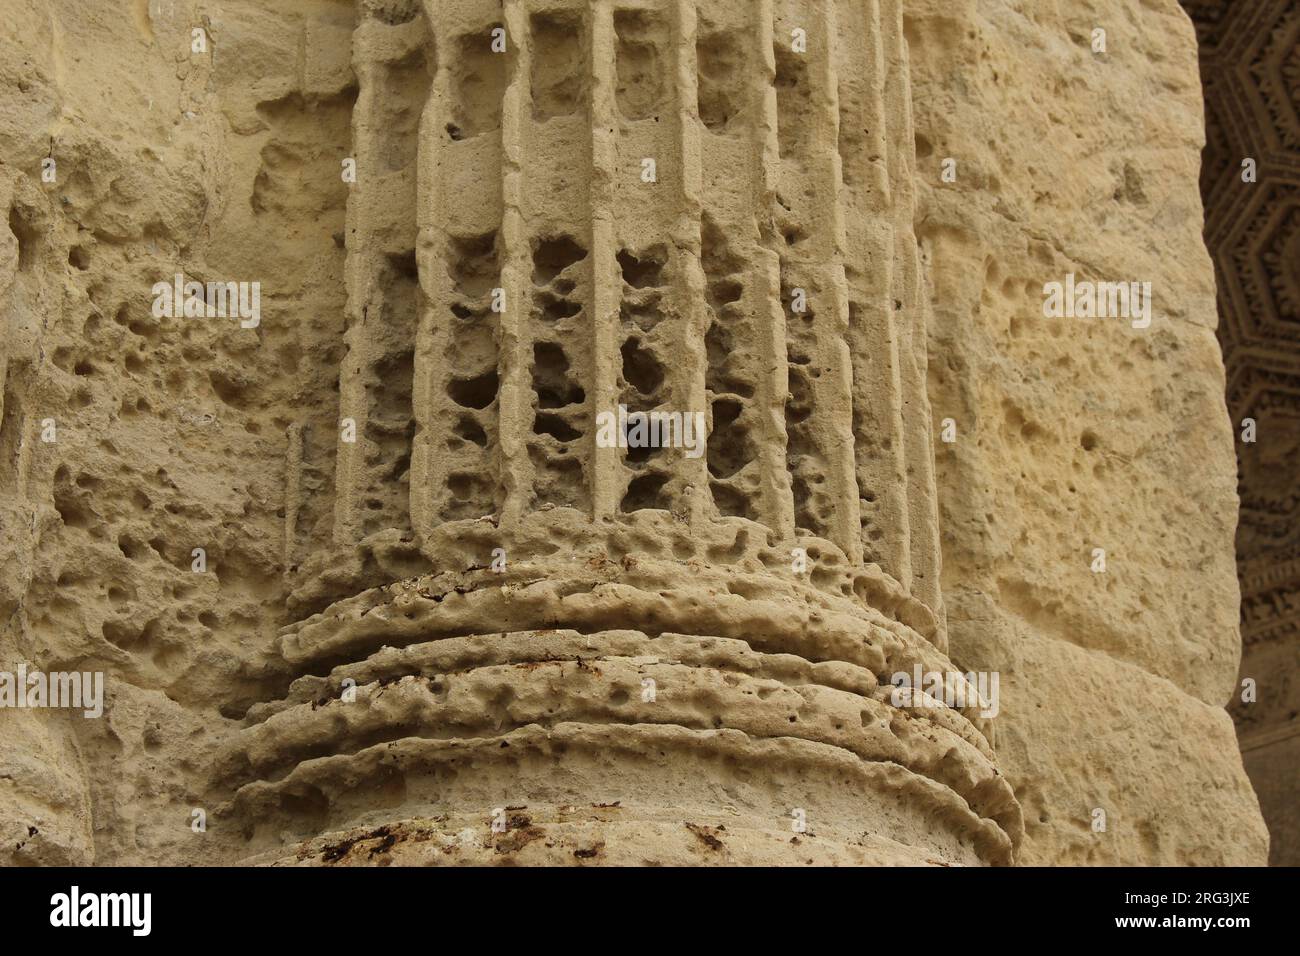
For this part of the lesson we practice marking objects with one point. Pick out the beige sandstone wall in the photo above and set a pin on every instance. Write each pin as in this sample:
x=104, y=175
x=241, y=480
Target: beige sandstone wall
x=1071, y=436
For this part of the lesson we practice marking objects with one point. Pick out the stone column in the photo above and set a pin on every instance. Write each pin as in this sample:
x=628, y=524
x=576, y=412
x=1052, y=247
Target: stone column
x=532, y=643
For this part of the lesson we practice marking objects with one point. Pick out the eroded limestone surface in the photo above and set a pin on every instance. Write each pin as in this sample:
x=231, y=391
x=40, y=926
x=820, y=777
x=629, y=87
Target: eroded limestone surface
x=439, y=620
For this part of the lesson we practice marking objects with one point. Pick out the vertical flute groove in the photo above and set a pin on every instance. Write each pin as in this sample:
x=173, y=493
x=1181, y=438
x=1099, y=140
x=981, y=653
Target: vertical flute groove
x=375, y=384
x=818, y=407
x=833, y=331
x=869, y=269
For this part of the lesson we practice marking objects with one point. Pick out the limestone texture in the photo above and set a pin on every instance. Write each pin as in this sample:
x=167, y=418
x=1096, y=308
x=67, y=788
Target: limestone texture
x=367, y=582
